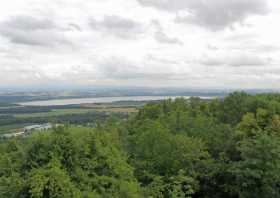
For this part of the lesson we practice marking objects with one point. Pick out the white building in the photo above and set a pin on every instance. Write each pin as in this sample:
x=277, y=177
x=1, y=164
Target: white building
x=38, y=127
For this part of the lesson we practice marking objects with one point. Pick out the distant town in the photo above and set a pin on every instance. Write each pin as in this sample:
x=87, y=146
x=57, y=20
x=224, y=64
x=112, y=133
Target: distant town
x=29, y=130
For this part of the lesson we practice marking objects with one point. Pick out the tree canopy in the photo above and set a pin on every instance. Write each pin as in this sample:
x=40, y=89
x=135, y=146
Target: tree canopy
x=221, y=148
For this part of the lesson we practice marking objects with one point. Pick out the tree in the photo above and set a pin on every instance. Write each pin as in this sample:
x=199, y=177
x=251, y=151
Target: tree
x=257, y=174
x=51, y=181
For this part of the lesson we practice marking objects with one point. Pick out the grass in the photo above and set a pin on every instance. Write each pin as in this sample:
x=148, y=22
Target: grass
x=55, y=112
x=11, y=128
x=118, y=109
x=59, y=112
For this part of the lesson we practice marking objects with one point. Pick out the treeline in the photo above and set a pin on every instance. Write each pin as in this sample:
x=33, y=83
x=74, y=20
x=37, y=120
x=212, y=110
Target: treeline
x=16, y=109
x=79, y=119
x=224, y=148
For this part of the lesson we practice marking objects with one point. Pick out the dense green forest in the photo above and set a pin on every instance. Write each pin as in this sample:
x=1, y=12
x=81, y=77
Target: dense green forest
x=223, y=148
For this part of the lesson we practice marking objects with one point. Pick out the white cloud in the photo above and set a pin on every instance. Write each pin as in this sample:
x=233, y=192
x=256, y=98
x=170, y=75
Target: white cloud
x=141, y=42
x=162, y=37
x=118, y=26
x=238, y=60
x=29, y=30
x=214, y=15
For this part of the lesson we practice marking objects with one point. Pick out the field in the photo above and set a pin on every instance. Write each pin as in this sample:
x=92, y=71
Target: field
x=13, y=118
x=11, y=128
x=59, y=112
x=54, y=112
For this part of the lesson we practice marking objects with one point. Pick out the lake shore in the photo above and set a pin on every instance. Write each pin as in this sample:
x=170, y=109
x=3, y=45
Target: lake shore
x=77, y=101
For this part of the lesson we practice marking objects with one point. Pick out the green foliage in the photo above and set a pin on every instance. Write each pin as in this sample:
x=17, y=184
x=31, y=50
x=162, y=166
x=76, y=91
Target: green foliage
x=51, y=181
x=257, y=174
x=68, y=162
x=227, y=148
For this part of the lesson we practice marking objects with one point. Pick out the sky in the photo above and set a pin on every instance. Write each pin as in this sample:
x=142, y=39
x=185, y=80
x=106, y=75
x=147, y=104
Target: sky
x=153, y=43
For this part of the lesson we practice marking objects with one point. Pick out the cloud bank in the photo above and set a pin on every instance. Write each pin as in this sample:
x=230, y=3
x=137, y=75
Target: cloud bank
x=194, y=43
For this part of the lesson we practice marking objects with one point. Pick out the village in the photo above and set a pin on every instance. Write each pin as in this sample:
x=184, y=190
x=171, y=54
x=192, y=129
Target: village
x=29, y=130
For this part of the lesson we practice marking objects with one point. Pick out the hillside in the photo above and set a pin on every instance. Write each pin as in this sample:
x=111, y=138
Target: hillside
x=222, y=148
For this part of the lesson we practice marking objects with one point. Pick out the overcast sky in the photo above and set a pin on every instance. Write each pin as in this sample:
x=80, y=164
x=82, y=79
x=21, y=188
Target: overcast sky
x=179, y=43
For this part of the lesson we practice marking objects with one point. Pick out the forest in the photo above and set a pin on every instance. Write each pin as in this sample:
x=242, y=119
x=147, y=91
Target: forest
x=182, y=148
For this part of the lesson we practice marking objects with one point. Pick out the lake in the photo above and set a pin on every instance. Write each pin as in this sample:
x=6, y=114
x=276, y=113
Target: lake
x=74, y=101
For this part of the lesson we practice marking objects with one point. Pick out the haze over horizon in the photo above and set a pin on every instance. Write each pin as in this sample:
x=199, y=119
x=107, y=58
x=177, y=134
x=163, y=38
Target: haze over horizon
x=231, y=44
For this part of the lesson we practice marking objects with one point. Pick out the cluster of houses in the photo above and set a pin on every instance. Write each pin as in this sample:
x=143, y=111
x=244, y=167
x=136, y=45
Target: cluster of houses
x=29, y=129
x=38, y=127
